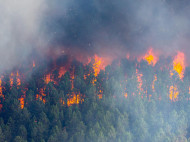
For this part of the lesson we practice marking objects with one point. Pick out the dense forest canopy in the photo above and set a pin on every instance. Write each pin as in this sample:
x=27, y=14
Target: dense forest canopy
x=94, y=71
x=128, y=100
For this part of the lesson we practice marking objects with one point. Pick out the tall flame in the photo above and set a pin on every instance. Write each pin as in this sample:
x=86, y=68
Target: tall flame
x=11, y=79
x=179, y=64
x=150, y=57
x=1, y=91
x=18, y=79
x=21, y=102
x=98, y=65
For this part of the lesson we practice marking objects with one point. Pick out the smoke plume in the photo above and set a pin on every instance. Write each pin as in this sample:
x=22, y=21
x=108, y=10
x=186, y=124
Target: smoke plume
x=107, y=28
x=20, y=31
x=118, y=27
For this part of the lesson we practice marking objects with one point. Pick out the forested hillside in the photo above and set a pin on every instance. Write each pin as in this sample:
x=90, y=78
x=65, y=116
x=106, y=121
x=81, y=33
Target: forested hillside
x=128, y=101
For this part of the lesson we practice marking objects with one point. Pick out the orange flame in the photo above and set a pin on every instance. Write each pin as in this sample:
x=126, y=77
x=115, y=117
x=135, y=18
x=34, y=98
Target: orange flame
x=98, y=65
x=100, y=94
x=41, y=91
x=155, y=79
x=1, y=91
x=62, y=101
x=74, y=99
x=18, y=79
x=179, y=64
x=150, y=57
x=125, y=95
x=128, y=56
x=33, y=64
x=139, y=80
x=21, y=102
x=47, y=78
x=173, y=93
x=39, y=97
x=62, y=71
x=11, y=79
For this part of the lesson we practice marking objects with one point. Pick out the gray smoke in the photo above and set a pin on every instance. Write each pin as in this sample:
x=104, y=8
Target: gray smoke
x=103, y=27
x=120, y=26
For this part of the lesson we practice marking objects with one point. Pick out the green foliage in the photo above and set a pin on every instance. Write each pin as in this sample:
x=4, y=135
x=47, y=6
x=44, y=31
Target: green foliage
x=114, y=118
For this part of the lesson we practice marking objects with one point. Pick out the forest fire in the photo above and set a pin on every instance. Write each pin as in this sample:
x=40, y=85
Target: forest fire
x=139, y=80
x=98, y=63
x=48, y=78
x=94, y=71
x=11, y=79
x=21, y=102
x=74, y=99
x=18, y=79
x=179, y=64
x=153, y=84
x=150, y=57
x=62, y=71
x=33, y=64
x=173, y=93
x=1, y=91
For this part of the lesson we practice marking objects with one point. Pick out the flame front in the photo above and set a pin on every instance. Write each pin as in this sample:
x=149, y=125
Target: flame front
x=98, y=63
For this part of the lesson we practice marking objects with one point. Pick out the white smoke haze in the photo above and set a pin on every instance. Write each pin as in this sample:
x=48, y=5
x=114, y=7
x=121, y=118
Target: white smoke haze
x=19, y=30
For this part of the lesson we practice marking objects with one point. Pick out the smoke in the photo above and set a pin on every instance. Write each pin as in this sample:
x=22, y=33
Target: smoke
x=107, y=28
x=117, y=27
x=20, y=31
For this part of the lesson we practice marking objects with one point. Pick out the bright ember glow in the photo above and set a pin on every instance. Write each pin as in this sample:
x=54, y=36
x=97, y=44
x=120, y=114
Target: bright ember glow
x=18, y=79
x=33, y=64
x=1, y=91
x=62, y=71
x=173, y=93
x=139, y=80
x=21, y=102
x=179, y=64
x=153, y=84
x=98, y=65
x=11, y=79
x=150, y=57
x=74, y=99
x=47, y=78
x=125, y=95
